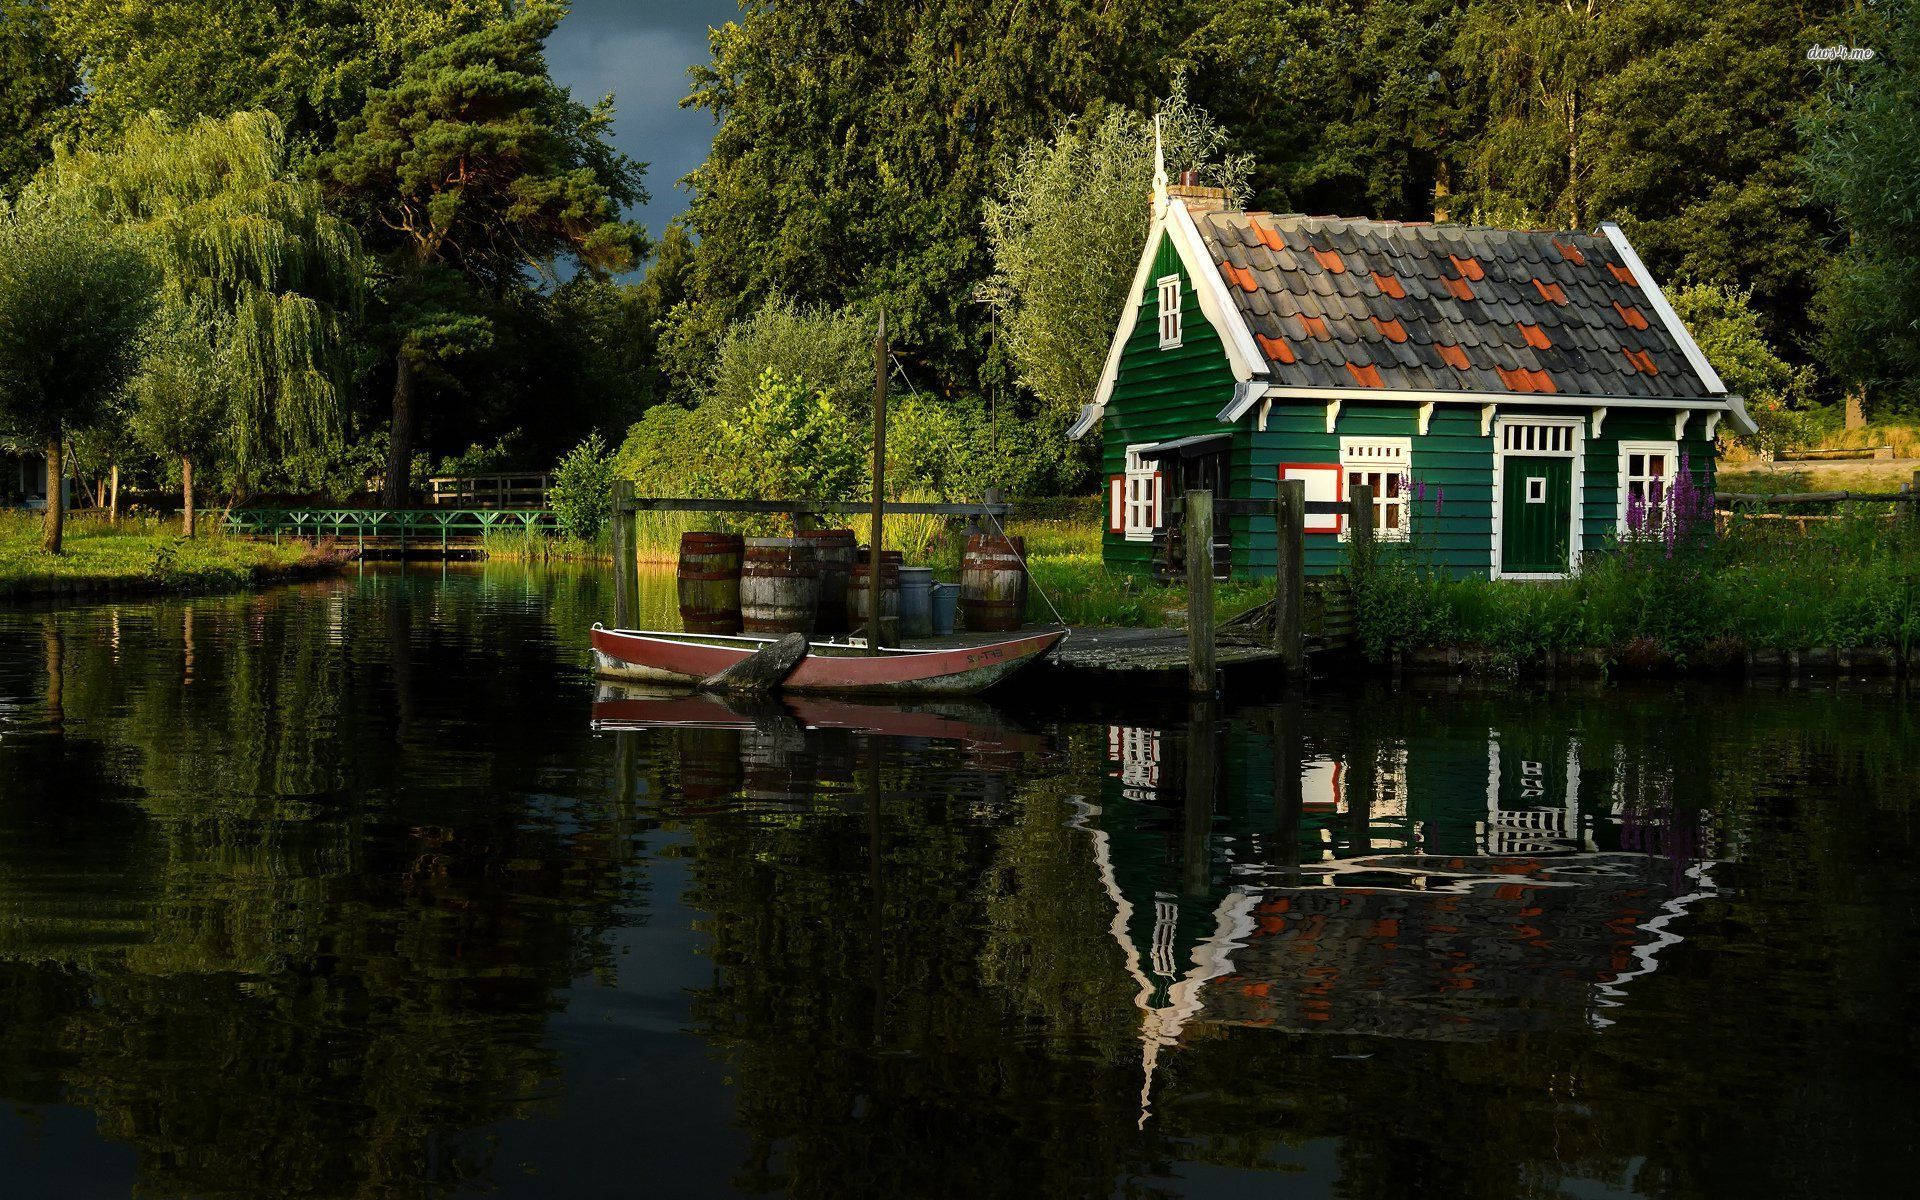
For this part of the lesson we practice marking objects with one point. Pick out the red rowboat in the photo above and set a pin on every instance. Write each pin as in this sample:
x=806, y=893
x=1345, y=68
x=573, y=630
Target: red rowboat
x=645, y=657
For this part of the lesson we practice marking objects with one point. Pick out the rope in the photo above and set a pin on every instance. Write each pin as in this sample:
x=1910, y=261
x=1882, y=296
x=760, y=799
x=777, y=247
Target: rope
x=1021, y=558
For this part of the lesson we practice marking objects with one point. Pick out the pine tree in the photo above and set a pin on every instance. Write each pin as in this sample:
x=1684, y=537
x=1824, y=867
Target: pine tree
x=471, y=171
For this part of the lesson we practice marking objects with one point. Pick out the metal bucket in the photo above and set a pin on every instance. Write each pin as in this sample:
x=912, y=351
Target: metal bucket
x=916, y=602
x=946, y=608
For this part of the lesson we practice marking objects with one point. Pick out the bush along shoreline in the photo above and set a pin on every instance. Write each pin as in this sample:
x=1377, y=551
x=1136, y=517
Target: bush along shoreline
x=1676, y=595
x=146, y=557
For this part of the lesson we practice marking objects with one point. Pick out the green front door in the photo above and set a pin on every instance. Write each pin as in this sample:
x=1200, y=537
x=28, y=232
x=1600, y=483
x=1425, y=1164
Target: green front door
x=1536, y=512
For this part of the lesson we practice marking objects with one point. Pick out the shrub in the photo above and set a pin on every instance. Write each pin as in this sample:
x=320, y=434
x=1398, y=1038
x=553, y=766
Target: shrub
x=582, y=495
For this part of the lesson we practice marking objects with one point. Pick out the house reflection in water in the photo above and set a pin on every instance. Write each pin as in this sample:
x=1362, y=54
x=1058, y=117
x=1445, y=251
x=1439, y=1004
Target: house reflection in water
x=1408, y=888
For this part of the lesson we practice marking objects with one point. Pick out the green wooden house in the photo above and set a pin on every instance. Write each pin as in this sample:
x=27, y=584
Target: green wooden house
x=1515, y=398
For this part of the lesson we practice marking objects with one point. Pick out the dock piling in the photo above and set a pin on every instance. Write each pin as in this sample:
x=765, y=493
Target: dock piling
x=1198, y=535
x=626, y=557
x=1289, y=575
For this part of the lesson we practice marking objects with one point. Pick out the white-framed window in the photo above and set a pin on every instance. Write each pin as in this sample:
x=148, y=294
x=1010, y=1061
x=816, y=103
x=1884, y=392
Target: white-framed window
x=1647, y=471
x=1169, y=311
x=1385, y=464
x=1141, y=501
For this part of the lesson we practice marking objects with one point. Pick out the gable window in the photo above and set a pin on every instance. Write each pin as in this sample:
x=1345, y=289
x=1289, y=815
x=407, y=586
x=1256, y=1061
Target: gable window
x=1384, y=465
x=1169, y=311
x=1646, y=482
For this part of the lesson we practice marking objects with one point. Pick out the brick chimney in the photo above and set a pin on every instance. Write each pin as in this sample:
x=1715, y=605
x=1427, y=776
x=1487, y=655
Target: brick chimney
x=1197, y=199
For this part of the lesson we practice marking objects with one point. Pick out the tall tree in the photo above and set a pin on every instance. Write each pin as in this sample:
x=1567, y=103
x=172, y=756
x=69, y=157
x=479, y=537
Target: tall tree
x=858, y=139
x=73, y=298
x=1346, y=106
x=253, y=268
x=309, y=62
x=39, y=86
x=473, y=170
x=1862, y=162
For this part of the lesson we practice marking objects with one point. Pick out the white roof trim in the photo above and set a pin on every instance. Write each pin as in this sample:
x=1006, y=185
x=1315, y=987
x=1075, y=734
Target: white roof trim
x=1658, y=299
x=1117, y=348
x=1320, y=395
x=1737, y=410
x=1244, y=355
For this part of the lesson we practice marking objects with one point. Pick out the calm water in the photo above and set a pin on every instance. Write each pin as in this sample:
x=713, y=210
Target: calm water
x=339, y=891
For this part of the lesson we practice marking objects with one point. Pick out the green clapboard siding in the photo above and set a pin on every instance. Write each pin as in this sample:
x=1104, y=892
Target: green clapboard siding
x=1162, y=394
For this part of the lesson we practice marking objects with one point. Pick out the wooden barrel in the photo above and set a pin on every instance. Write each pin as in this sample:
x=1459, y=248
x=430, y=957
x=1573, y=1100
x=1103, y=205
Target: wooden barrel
x=833, y=552
x=779, y=586
x=890, y=561
x=993, y=584
x=709, y=582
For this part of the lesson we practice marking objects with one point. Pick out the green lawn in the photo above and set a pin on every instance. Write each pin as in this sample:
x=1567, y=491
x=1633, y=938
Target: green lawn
x=138, y=555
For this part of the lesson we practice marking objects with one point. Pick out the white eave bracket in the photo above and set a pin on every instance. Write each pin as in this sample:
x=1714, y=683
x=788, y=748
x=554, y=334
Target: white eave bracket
x=1333, y=414
x=1599, y=419
x=1426, y=417
x=1082, y=424
x=1486, y=419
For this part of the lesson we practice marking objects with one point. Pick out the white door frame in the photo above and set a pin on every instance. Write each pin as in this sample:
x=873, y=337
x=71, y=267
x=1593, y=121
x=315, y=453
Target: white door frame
x=1577, y=451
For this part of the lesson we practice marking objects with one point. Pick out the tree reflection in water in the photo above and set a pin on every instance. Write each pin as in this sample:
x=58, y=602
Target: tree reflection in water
x=297, y=888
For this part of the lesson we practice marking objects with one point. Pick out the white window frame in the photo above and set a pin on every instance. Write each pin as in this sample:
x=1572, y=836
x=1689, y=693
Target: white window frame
x=1379, y=457
x=1142, y=496
x=1572, y=445
x=1169, y=286
x=1626, y=480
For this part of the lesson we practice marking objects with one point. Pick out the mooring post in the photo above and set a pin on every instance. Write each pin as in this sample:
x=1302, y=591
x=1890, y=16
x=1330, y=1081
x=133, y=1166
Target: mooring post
x=878, y=540
x=626, y=557
x=1360, y=528
x=1197, y=532
x=1913, y=501
x=1290, y=573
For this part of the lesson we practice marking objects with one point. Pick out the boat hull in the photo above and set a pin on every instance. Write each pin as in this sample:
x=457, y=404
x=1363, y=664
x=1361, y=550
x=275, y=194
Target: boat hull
x=639, y=657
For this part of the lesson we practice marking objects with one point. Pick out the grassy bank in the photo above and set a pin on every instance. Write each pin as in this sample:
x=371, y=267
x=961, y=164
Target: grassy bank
x=1847, y=584
x=139, y=556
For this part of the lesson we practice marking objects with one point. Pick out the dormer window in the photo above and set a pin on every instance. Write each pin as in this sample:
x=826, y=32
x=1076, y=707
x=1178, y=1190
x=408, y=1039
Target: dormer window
x=1169, y=311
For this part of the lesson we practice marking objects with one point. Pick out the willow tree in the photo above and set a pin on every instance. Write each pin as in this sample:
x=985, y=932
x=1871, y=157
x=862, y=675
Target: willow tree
x=73, y=298
x=258, y=281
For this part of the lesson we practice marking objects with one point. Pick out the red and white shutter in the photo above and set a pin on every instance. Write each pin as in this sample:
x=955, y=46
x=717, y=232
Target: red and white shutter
x=1116, y=504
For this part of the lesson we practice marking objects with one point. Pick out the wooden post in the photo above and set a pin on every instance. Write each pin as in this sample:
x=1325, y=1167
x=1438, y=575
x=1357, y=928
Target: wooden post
x=1198, y=536
x=626, y=557
x=878, y=540
x=1360, y=528
x=1913, y=501
x=1289, y=573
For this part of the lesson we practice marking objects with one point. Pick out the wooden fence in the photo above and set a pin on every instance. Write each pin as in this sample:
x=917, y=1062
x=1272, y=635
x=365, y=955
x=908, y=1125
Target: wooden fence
x=489, y=491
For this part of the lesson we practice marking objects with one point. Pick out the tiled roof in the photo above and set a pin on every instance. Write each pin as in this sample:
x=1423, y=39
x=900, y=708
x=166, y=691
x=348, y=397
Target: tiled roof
x=1339, y=303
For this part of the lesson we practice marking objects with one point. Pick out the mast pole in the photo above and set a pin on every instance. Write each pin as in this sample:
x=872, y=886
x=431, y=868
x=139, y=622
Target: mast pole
x=879, y=484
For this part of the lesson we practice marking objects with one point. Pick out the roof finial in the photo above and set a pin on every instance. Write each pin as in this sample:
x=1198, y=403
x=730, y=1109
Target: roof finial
x=1159, y=172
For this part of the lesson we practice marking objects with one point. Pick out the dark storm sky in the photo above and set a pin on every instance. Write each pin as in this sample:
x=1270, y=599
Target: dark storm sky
x=640, y=50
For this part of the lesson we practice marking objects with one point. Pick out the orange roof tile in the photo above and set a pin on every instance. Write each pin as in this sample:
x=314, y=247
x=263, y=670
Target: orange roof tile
x=1536, y=336
x=1389, y=286
x=1520, y=379
x=1632, y=316
x=1269, y=236
x=1452, y=355
x=1570, y=252
x=1331, y=260
x=1460, y=288
x=1275, y=348
x=1365, y=376
x=1642, y=361
x=1621, y=273
x=1313, y=327
x=1548, y=291
x=1393, y=331
x=1469, y=267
